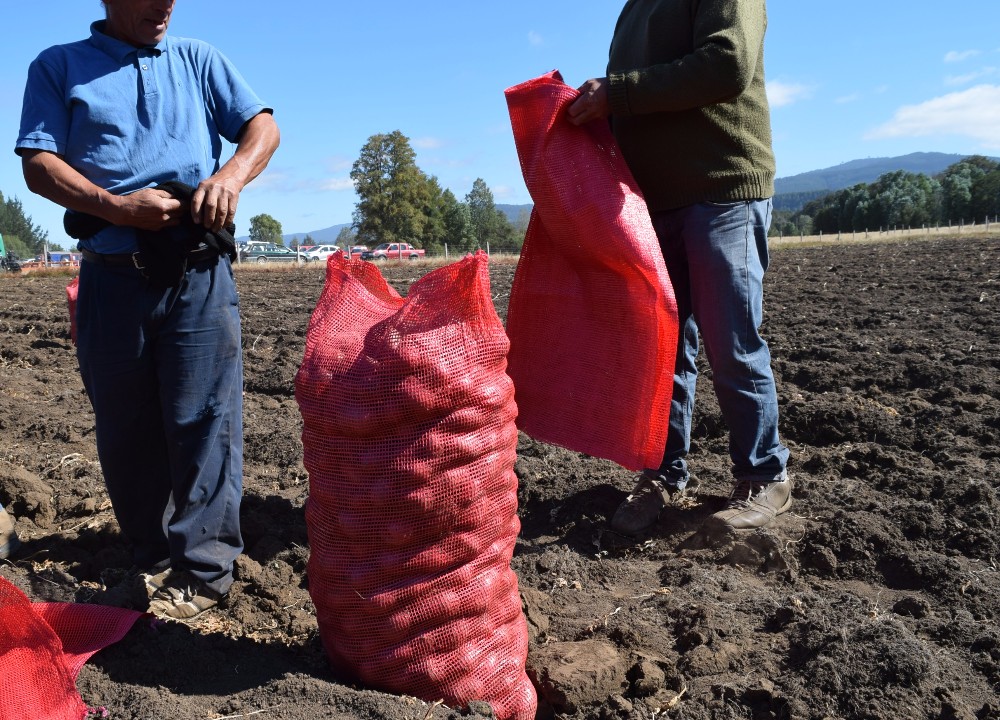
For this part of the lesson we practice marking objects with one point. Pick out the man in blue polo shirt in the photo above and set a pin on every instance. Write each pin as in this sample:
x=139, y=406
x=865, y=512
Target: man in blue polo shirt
x=105, y=121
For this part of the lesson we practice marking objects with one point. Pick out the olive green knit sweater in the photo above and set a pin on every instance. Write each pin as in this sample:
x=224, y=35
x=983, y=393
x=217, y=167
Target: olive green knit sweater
x=689, y=109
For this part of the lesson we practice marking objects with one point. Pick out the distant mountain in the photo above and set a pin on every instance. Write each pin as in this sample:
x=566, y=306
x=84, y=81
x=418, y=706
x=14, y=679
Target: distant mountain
x=792, y=192
x=513, y=212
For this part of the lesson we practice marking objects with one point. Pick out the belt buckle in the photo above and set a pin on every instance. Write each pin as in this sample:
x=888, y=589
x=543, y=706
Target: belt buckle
x=137, y=261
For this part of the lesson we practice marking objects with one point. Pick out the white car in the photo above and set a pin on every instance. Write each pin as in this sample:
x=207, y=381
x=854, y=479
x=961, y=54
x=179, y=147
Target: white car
x=321, y=252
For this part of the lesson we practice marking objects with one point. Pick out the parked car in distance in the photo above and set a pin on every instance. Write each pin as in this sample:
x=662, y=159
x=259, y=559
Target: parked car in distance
x=320, y=252
x=357, y=251
x=258, y=252
x=393, y=251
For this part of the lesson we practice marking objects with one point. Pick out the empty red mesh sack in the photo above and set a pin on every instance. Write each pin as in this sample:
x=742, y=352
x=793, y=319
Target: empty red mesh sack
x=72, y=291
x=592, y=318
x=42, y=648
x=410, y=439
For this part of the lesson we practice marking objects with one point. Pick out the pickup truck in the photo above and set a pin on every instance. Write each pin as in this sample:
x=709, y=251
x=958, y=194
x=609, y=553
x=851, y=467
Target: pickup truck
x=393, y=251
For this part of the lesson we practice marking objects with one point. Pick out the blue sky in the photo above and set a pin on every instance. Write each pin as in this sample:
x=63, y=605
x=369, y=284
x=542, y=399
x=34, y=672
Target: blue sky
x=847, y=80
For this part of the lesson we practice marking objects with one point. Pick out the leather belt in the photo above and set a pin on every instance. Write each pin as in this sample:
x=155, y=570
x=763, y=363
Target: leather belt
x=135, y=259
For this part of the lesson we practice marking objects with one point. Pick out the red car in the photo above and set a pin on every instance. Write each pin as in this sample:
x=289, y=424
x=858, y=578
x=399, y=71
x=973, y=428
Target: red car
x=393, y=251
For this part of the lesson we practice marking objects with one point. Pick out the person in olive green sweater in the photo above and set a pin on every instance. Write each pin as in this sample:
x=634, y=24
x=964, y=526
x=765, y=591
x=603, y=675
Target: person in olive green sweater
x=685, y=96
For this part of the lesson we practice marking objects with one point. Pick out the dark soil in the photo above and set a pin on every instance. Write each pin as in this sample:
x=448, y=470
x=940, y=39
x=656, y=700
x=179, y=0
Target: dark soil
x=877, y=596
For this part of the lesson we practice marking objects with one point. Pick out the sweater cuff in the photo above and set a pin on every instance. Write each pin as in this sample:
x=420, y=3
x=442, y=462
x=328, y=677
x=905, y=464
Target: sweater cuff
x=618, y=94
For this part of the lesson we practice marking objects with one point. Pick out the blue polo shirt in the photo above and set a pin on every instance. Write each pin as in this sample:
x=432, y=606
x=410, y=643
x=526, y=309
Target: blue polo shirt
x=130, y=118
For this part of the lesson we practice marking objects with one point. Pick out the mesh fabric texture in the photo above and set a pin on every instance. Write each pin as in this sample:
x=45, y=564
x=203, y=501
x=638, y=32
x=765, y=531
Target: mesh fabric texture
x=72, y=292
x=592, y=318
x=410, y=441
x=42, y=648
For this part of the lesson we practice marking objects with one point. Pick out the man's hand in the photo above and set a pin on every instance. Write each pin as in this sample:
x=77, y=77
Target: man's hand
x=215, y=199
x=214, y=202
x=148, y=209
x=49, y=175
x=592, y=104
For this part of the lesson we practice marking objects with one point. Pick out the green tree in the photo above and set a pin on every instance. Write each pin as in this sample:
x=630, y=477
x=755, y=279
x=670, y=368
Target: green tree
x=393, y=193
x=346, y=237
x=264, y=228
x=958, y=183
x=986, y=196
x=13, y=245
x=458, y=231
x=907, y=199
x=432, y=231
x=16, y=226
x=491, y=227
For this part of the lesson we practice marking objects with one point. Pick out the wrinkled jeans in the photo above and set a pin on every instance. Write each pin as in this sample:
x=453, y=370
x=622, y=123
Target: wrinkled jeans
x=716, y=255
x=164, y=373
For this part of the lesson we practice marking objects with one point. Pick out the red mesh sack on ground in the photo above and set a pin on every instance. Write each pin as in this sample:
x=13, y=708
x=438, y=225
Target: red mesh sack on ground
x=42, y=648
x=592, y=318
x=410, y=441
x=72, y=291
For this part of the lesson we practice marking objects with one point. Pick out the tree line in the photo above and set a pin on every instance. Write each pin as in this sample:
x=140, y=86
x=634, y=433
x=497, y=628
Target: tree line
x=399, y=202
x=20, y=235
x=964, y=193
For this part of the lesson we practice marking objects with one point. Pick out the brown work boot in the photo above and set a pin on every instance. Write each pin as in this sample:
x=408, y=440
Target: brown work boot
x=9, y=542
x=641, y=509
x=755, y=503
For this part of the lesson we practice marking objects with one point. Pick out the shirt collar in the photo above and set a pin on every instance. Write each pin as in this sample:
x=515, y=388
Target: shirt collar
x=117, y=49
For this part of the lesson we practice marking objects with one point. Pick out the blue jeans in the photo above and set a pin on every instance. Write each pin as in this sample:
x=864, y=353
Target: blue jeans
x=716, y=255
x=164, y=373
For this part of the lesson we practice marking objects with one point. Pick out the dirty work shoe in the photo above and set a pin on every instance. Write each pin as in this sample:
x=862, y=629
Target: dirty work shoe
x=641, y=509
x=755, y=503
x=182, y=597
x=154, y=579
x=9, y=542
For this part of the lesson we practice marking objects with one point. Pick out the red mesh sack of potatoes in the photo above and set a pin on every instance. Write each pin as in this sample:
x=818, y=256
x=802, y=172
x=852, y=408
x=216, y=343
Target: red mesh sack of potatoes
x=42, y=648
x=72, y=291
x=592, y=318
x=410, y=441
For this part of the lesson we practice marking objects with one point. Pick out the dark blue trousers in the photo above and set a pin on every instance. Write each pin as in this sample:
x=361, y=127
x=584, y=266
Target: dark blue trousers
x=164, y=373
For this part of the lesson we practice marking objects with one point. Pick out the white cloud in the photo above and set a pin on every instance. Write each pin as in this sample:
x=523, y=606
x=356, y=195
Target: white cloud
x=781, y=93
x=427, y=143
x=959, y=55
x=970, y=77
x=337, y=164
x=974, y=113
x=337, y=184
x=535, y=39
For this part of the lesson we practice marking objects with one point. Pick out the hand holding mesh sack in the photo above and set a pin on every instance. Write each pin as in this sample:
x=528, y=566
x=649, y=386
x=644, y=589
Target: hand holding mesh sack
x=592, y=318
x=410, y=441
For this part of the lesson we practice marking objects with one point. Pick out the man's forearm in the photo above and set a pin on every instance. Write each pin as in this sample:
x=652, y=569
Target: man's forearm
x=256, y=146
x=48, y=175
